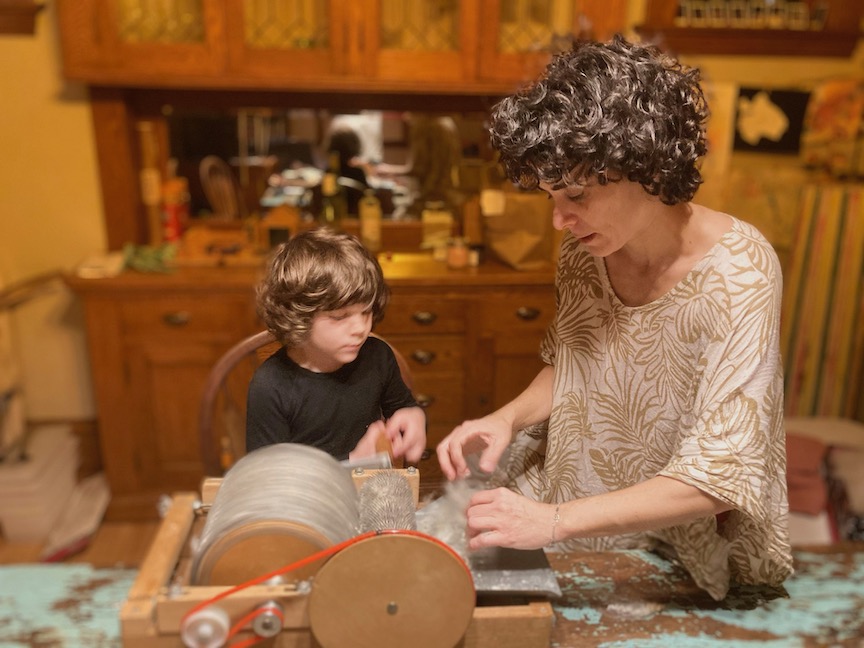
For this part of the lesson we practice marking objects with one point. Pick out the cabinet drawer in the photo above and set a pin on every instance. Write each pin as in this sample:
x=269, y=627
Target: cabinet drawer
x=514, y=312
x=422, y=314
x=432, y=481
x=441, y=396
x=435, y=433
x=430, y=353
x=211, y=318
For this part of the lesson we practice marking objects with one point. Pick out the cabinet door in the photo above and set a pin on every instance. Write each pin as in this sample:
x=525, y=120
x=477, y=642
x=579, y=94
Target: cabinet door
x=337, y=42
x=511, y=327
x=166, y=382
x=288, y=40
x=433, y=40
x=151, y=356
x=135, y=41
x=518, y=37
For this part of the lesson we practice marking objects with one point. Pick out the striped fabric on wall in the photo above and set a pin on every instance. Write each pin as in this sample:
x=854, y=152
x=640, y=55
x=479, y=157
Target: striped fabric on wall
x=822, y=326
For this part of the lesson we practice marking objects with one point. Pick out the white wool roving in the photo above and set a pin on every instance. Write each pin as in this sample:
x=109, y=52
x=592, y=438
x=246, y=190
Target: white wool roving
x=444, y=518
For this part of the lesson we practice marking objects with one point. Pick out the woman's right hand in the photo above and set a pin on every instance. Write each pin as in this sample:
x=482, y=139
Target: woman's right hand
x=489, y=436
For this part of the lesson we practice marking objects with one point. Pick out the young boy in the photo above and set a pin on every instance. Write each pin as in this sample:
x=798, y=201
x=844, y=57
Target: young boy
x=330, y=385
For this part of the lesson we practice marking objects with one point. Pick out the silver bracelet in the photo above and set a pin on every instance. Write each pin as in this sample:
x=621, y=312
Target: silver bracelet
x=555, y=520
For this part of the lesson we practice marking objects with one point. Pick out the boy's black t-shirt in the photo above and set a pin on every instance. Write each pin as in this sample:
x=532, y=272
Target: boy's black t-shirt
x=330, y=411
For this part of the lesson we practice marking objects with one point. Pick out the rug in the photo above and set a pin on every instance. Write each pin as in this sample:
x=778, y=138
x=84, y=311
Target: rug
x=62, y=606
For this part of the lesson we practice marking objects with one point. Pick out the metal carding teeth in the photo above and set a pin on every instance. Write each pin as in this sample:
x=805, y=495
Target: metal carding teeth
x=386, y=502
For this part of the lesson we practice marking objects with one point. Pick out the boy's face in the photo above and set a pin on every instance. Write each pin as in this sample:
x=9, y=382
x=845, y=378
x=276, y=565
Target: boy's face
x=336, y=336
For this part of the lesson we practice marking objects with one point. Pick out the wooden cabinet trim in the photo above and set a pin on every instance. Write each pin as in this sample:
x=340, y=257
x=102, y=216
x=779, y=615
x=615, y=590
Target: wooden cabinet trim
x=838, y=38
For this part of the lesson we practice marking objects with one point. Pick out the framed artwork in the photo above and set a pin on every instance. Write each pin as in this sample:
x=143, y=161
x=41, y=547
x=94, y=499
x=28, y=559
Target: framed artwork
x=769, y=121
x=833, y=137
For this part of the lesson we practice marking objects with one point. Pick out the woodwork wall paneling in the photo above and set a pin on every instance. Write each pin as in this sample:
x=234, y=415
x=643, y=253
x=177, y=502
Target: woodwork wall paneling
x=117, y=157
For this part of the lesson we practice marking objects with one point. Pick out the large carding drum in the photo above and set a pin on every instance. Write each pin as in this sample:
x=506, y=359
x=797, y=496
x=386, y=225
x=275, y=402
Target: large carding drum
x=276, y=505
x=390, y=591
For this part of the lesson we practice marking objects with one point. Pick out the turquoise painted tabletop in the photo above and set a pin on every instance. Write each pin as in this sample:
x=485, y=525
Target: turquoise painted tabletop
x=618, y=599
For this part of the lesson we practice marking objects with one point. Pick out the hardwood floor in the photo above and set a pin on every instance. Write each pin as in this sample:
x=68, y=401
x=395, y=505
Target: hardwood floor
x=115, y=544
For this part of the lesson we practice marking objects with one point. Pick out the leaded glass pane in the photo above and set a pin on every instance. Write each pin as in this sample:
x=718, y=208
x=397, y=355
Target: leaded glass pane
x=286, y=24
x=420, y=25
x=160, y=21
x=534, y=25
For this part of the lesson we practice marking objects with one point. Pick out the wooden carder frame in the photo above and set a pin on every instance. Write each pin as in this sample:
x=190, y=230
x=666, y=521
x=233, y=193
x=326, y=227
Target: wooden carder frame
x=160, y=597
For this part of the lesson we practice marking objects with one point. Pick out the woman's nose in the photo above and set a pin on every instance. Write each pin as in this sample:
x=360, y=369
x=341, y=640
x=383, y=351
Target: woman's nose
x=558, y=218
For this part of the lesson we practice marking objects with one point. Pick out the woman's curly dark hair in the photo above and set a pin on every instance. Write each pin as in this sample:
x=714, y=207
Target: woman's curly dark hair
x=606, y=110
x=318, y=270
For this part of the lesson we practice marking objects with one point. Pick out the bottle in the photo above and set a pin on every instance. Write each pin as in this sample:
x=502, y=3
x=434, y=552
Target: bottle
x=370, y=221
x=457, y=253
x=334, y=166
x=175, y=205
x=472, y=222
x=334, y=206
x=438, y=227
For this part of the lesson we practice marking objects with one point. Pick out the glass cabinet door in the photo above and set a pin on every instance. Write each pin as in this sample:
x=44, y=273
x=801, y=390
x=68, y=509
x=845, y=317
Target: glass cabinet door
x=435, y=40
x=361, y=39
x=520, y=36
x=301, y=39
x=143, y=38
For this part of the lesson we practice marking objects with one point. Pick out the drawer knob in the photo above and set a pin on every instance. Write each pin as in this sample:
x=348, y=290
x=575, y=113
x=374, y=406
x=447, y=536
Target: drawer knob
x=422, y=356
x=424, y=400
x=527, y=313
x=177, y=318
x=424, y=317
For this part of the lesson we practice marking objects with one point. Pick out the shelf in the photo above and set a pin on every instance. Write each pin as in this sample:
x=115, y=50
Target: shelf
x=750, y=42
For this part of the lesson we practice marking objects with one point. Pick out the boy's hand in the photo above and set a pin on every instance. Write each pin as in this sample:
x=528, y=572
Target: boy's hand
x=406, y=430
x=367, y=445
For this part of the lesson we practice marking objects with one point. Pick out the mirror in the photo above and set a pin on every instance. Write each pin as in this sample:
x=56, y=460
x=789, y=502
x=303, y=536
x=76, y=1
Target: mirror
x=277, y=156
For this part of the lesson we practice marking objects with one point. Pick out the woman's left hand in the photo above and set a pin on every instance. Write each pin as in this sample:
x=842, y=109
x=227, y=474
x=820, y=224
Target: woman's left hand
x=501, y=518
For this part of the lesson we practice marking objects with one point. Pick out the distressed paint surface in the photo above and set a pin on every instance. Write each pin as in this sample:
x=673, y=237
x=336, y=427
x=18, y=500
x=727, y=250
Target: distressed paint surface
x=62, y=606
x=635, y=599
x=622, y=599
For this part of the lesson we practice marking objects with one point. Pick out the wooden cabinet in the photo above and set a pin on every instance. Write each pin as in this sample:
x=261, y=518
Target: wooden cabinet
x=509, y=329
x=355, y=45
x=277, y=44
x=471, y=338
x=824, y=28
x=428, y=327
x=471, y=349
x=152, y=341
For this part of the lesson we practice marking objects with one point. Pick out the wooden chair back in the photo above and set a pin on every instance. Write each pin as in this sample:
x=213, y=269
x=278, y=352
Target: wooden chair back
x=221, y=189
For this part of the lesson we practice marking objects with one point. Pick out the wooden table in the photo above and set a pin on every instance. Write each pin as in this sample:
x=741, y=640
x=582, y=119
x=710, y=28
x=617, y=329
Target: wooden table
x=637, y=599
x=625, y=599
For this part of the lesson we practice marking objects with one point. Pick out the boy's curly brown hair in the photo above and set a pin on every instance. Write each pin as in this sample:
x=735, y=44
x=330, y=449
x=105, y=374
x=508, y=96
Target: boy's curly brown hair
x=608, y=111
x=318, y=270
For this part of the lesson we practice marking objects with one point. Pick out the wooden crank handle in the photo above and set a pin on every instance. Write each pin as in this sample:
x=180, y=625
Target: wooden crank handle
x=382, y=444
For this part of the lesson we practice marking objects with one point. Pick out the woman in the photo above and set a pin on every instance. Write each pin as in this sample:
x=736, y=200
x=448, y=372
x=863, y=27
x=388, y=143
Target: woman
x=658, y=420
